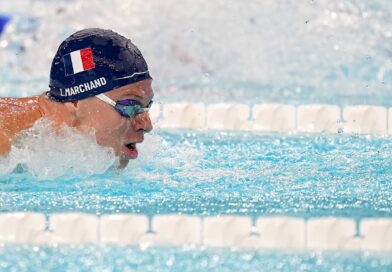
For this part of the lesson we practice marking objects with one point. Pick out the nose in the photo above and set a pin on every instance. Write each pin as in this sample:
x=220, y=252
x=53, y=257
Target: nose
x=142, y=122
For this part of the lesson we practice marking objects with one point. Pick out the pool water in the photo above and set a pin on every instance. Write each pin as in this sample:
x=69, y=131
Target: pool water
x=199, y=173
x=325, y=51
x=91, y=258
x=211, y=173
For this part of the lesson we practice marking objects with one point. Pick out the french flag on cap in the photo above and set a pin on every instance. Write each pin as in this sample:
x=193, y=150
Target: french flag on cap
x=78, y=61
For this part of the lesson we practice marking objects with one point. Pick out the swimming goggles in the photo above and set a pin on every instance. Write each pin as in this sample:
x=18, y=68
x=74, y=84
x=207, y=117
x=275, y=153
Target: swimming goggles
x=127, y=107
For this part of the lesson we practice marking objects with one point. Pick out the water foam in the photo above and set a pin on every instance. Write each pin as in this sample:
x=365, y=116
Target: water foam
x=159, y=159
x=49, y=154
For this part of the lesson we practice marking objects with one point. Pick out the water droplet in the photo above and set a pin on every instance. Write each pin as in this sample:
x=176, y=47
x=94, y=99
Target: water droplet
x=4, y=44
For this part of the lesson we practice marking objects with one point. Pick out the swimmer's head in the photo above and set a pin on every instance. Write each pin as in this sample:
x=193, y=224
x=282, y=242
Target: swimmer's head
x=96, y=61
x=93, y=61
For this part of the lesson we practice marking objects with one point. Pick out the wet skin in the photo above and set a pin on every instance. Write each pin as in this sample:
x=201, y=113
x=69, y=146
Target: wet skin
x=89, y=115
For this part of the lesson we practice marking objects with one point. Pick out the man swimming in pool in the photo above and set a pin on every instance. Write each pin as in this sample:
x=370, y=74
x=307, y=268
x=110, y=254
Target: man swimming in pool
x=99, y=81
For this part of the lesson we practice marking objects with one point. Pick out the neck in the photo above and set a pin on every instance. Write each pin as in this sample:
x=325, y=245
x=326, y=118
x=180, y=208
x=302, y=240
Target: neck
x=55, y=111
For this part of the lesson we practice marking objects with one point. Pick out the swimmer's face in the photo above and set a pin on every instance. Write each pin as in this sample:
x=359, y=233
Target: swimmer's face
x=111, y=129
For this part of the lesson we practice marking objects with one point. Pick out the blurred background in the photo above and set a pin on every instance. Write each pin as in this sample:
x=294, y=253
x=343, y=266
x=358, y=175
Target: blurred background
x=289, y=51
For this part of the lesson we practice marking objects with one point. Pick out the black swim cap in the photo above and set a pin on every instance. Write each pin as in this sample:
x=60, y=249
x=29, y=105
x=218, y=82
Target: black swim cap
x=94, y=61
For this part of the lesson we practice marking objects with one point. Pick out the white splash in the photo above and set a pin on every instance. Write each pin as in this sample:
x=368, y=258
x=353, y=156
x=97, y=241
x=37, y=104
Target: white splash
x=162, y=159
x=49, y=154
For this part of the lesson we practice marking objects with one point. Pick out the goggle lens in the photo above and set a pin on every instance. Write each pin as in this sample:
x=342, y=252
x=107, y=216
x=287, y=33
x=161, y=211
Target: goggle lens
x=131, y=107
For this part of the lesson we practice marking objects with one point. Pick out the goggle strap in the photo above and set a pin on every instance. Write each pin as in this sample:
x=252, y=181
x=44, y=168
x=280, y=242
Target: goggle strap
x=106, y=99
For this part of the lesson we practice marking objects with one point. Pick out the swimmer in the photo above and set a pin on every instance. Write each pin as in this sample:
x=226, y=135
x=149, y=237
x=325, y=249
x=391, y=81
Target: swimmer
x=99, y=81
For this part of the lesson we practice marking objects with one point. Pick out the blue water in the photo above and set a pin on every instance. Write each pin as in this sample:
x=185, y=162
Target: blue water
x=116, y=258
x=325, y=51
x=211, y=173
x=214, y=173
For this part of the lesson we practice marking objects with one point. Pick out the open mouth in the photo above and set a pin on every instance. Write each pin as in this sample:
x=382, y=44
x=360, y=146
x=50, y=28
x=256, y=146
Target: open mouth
x=131, y=146
x=131, y=150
